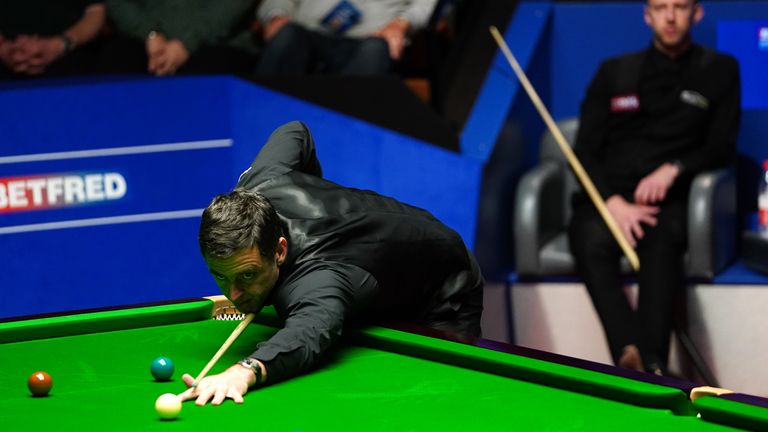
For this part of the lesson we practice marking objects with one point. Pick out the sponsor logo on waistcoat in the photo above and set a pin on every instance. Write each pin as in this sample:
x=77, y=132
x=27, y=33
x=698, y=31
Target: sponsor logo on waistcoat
x=47, y=191
x=625, y=103
x=694, y=98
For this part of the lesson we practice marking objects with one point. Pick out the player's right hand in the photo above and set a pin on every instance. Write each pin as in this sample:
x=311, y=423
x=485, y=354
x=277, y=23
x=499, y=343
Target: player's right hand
x=232, y=384
x=630, y=217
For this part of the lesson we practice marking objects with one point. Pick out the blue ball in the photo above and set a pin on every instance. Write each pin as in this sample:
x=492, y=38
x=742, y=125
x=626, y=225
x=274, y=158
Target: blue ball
x=162, y=368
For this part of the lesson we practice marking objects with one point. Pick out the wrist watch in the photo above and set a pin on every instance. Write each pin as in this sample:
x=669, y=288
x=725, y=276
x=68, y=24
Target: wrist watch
x=254, y=365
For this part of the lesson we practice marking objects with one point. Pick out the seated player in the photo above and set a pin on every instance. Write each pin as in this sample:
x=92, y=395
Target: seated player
x=650, y=122
x=325, y=256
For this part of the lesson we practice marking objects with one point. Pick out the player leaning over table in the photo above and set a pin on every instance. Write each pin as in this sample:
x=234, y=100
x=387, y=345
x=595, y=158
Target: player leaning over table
x=324, y=256
x=650, y=122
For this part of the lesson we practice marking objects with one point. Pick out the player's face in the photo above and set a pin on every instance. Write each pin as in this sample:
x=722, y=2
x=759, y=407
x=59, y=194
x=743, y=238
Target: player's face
x=246, y=278
x=671, y=22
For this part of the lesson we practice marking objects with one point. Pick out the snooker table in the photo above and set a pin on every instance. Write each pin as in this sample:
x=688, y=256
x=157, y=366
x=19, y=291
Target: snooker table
x=376, y=378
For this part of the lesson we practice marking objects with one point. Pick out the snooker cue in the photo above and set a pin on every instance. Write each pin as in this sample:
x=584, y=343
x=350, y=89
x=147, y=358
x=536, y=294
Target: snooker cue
x=578, y=168
x=224, y=347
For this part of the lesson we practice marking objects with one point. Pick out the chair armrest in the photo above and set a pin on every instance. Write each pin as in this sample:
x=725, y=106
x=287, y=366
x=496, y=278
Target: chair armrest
x=538, y=213
x=711, y=222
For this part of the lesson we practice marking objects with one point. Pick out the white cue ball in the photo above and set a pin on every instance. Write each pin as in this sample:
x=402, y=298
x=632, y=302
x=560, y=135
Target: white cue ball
x=168, y=406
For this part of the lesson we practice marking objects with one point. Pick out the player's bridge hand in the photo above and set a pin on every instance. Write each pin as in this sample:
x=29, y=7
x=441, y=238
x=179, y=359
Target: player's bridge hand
x=230, y=384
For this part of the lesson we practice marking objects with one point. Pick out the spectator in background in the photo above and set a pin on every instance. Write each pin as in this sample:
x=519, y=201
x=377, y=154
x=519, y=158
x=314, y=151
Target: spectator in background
x=49, y=37
x=348, y=37
x=164, y=37
x=650, y=122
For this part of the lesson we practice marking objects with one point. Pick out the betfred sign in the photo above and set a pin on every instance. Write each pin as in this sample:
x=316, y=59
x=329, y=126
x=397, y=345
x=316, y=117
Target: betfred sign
x=47, y=191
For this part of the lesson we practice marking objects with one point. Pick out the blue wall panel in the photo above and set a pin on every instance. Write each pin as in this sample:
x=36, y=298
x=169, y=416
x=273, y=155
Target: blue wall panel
x=98, y=266
x=136, y=248
x=747, y=40
x=124, y=113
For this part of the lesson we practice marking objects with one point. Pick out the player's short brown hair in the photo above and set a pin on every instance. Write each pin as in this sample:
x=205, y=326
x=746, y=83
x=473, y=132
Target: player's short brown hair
x=239, y=220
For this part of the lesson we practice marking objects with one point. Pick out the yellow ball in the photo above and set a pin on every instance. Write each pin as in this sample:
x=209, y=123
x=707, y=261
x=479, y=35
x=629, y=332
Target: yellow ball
x=168, y=406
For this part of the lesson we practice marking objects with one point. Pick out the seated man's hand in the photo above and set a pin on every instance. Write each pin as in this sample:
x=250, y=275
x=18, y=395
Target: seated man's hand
x=6, y=51
x=20, y=53
x=42, y=52
x=653, y=188
x=394, y=33
x=171, y=58
x=274, y=25
x=630, y=217
x=233, y=383
x=155, y=46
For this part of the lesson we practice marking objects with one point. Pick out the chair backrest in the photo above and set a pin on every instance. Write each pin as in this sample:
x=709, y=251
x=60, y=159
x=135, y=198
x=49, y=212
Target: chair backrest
x=550, y=150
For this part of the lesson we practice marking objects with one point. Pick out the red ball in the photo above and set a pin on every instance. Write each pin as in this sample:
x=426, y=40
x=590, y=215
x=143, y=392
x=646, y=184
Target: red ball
x=40, y=383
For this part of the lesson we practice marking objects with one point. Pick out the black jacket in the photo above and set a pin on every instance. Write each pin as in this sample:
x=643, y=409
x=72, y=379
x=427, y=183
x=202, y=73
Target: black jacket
x=352, y=254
